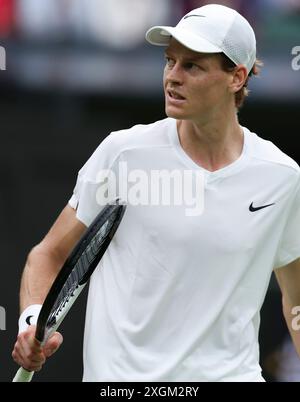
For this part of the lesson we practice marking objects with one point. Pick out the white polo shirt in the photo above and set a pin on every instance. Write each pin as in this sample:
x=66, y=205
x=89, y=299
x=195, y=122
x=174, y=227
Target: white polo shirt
x=177, y=297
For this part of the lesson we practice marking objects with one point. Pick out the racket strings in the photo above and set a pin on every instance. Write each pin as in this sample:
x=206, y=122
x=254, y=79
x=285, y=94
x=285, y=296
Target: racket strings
x=82, y=265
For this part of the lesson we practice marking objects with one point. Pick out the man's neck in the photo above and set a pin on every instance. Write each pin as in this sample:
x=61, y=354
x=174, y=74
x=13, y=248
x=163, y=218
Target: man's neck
x=211, y=145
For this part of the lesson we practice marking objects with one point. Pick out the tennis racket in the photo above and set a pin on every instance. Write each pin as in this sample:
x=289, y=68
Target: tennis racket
x=74, y=275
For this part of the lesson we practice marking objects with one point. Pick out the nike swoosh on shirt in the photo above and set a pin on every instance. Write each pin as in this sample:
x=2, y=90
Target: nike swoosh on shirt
x=253, y=209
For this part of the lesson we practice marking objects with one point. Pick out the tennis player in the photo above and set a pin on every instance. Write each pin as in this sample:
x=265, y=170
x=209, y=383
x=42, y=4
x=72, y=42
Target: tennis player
x=178, y=295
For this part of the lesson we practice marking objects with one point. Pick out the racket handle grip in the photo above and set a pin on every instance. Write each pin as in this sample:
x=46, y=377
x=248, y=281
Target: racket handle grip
x=23, y=375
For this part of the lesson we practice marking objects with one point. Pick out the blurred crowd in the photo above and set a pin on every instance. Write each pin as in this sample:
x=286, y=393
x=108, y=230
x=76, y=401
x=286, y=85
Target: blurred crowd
x=122, y=23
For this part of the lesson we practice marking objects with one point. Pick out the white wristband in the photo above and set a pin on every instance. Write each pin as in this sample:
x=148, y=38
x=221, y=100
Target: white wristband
x=29, y=316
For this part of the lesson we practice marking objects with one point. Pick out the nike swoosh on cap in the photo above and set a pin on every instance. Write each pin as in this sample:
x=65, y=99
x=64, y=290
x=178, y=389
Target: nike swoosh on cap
x=253, y=209
x=194, y=15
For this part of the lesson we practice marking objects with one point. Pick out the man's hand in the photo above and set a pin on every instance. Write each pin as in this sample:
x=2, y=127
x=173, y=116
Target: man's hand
x=29, y=353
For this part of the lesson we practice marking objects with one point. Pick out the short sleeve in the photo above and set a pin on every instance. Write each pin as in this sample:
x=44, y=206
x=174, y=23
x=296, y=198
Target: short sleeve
x=289, y=249
x=96, y=183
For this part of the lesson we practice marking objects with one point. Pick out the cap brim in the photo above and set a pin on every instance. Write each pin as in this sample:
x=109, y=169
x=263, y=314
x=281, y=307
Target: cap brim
x=161, y=35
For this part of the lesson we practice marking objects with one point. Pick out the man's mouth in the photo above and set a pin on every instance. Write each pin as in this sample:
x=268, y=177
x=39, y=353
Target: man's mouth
x=175, y=95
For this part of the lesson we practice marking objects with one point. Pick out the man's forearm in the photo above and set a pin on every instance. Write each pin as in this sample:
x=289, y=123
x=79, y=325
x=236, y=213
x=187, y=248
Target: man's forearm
x=39, y=273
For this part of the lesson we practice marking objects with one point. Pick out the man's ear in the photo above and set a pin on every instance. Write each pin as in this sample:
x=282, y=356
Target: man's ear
x=239, y=77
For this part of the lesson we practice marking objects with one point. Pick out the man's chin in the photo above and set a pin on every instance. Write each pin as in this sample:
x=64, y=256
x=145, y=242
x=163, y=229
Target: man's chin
x=175, y=114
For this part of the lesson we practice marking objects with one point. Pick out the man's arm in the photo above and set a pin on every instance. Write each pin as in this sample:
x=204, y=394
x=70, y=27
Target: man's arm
x=46, y=259
x=42, y=266
x=288, y=278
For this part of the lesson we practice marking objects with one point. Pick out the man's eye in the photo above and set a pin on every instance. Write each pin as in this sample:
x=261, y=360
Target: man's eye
x=190, y=66
x=169, y=61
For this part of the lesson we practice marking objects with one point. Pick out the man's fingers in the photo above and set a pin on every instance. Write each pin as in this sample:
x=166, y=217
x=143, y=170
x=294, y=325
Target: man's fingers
x=27, y=340
x=28, y=352
x=31, y=361
x=53, y=344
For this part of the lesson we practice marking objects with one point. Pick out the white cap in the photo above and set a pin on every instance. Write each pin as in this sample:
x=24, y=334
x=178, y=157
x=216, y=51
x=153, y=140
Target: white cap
x=211, y=29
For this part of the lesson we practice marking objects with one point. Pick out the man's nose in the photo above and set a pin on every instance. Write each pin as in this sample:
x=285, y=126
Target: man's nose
x=174, y=74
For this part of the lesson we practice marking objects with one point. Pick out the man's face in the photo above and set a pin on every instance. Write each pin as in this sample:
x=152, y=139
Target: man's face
x=195, y=85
